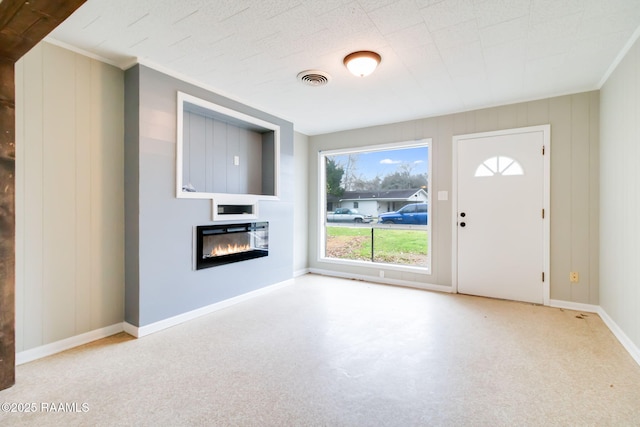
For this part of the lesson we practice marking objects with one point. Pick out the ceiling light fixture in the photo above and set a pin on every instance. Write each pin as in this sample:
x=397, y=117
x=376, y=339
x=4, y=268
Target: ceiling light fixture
x=362, y=63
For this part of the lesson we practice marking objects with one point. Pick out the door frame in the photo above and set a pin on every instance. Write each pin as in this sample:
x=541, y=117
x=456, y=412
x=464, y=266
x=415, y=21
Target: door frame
x=546, y=243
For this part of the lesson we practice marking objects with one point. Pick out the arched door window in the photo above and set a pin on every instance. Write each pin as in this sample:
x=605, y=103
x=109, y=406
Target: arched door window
x=499, y=165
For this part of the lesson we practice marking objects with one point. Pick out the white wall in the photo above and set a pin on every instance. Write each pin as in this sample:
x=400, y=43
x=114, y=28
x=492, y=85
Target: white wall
x=574, y=123
x=69, y=196
x=620, y=199
x=301, y=203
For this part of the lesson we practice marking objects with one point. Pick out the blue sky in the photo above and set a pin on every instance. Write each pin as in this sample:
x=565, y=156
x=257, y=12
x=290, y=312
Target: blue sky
x=386, y=162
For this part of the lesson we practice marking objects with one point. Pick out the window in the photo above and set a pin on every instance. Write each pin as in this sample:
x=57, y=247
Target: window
x=408, y=209
x=500, y=165
x=390, y=191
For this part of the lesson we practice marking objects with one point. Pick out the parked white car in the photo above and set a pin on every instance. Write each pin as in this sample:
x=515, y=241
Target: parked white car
x=348, y=215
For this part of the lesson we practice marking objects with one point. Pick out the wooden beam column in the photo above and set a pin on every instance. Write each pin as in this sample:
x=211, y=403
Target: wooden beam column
x=7, y=224
x=23, y=23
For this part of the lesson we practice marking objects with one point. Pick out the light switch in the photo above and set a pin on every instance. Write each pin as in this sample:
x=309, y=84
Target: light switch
x=236, y=160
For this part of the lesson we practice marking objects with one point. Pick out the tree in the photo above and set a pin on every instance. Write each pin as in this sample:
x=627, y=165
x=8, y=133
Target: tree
x=403, y=179
x=361, y=184
x=333, y=174
x=350, y=172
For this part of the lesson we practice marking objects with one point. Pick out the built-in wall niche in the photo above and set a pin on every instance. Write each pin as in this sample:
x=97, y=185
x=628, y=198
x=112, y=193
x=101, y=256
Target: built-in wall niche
x=234, y=207
x=223, y=153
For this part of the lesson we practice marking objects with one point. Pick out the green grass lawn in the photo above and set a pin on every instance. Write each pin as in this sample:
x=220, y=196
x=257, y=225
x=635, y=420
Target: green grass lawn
x=392, y=246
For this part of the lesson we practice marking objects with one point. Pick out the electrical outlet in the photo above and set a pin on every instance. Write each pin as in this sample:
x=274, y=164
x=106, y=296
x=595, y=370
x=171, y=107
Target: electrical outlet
x=573, y=277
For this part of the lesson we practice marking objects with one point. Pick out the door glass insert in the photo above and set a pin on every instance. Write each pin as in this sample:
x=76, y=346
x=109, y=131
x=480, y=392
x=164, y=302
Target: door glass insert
x=499, y=165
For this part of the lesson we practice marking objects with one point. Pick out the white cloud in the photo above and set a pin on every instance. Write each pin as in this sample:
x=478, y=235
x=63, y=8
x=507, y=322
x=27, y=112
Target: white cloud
x=389, y=162
x=417, y=162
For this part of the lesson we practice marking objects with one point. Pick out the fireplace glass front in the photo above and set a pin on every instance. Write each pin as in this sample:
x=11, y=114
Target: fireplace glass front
x=227, y=243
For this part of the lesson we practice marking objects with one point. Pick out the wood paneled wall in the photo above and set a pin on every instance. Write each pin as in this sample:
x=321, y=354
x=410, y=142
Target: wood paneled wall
x=620, y=204
x=22, y=24
x=209, y=147
x=70, y=196
x=575, y=153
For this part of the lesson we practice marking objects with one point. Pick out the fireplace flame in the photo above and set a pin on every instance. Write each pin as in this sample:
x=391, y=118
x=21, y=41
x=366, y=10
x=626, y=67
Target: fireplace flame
x=229, y=249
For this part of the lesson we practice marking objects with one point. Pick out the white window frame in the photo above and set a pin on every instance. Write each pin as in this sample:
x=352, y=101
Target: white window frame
x=322, y=204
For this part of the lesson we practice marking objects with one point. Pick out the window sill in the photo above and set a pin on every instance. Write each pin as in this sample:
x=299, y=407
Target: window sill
x=377, y=265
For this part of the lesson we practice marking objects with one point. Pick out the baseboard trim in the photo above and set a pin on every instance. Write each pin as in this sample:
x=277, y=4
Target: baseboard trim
x=626, y=342
x=301, y=272
x=32, y=354
x=141, y=331
x=577, y=306
x=130, y=329
x=384, y=281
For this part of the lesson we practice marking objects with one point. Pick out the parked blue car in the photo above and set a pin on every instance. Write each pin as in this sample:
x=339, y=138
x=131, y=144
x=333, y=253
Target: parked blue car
x=414, y=213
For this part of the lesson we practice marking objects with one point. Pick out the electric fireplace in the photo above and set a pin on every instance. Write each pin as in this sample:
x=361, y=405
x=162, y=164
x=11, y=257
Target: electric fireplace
x=227, y=243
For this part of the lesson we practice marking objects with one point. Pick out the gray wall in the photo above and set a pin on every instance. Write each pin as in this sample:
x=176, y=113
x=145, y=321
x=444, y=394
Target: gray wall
x=620, y=204
x=69, y=196
x=165, y=284
x=574, y=123
x=132, y=196
x=301, y=208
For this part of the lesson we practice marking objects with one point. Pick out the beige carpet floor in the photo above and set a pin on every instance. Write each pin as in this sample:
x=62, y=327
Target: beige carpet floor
x=335, y=352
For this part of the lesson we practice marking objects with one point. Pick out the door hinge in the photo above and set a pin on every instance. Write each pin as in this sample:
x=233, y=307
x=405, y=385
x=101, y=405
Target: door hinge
x=542, y=213
x=543, y=150
x=543, y=276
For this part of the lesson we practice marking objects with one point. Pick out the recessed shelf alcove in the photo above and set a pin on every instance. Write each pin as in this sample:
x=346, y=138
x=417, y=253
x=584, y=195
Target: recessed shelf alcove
x=227, y=156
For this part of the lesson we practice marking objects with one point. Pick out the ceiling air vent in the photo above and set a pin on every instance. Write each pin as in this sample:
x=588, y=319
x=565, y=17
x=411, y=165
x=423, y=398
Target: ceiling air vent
x=314, y=77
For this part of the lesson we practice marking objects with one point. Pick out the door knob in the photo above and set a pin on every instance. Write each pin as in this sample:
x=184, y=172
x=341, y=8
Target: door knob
x=462, y=214
x=463, y=224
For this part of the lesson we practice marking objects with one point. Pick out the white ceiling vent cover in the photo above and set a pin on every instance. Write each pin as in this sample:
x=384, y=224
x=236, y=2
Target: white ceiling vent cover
x=314, y=77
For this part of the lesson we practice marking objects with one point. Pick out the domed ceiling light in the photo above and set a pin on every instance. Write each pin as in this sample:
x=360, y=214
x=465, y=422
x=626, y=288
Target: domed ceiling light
x=362, y=63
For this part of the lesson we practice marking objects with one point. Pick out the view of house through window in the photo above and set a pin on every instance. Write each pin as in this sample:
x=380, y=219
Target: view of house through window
x=377, y=205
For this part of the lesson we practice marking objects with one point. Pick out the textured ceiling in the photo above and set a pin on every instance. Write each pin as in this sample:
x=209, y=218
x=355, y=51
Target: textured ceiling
x=437, y=56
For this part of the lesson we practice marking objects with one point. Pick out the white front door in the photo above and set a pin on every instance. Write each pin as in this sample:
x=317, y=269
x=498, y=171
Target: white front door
x=501, y=195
